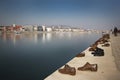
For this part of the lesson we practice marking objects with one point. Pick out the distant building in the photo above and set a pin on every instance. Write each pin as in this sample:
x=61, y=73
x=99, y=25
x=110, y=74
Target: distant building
x=35, y=28
x=9, y=28
x=70, y=29
x=48, y=29
x=40, y=28
x=17, y=28
x=13, y=25
x=43, y=27
x=28, y=27
x=2, y=28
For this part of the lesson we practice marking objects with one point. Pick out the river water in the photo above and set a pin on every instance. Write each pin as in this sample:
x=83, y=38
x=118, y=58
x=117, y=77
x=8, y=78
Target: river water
x=34, y=56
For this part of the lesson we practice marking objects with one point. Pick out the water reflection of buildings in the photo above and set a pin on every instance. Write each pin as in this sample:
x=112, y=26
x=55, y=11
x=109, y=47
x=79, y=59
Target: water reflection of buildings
x=17, y=37
x=11, y=37
x=49, y=36
x=35, y=38
x=64, y=35
x=4, y=36
x=46, y=37
x=69, y=35
x=43, y=38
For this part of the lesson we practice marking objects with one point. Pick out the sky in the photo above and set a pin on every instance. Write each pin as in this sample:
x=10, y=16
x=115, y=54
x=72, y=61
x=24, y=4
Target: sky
x=96, y=14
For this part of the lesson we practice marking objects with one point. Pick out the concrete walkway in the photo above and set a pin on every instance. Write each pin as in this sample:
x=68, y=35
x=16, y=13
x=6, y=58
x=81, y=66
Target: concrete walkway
x=115, y=41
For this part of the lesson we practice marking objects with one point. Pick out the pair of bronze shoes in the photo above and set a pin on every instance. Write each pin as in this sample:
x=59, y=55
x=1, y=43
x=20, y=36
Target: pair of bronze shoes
x=72, y=71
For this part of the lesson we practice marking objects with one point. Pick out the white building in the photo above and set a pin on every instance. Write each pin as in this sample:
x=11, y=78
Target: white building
x=35, y=28
x=75, y=30
x=48, y=29
x=28, y=27
x=43, y=27
x=13, y=25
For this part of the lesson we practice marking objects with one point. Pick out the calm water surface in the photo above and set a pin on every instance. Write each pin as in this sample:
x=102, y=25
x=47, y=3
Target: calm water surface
x=34, y=56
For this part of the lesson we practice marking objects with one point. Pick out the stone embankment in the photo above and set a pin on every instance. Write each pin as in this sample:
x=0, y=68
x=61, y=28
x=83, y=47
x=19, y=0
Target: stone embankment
x=108, y=65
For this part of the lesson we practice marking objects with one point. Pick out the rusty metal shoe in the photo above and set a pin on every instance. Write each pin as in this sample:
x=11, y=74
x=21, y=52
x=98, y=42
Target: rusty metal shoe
x=93, y=47
x=68, y=70
x=88, y=67
x=106, y=45
x=80, y=55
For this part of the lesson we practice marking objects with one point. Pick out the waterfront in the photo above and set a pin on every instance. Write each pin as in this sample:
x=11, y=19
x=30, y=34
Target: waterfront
x=34, y=56
x=103, y=72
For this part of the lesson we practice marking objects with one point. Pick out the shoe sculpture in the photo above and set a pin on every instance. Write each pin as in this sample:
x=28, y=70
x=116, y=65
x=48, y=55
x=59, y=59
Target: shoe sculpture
x=106, y=45
x=80, y=55
x=68, y=70
x=98, y=52
x=88, y=67
x=93, y=47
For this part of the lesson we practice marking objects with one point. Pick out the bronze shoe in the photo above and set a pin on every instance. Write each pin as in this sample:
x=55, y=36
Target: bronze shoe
x=106, y=45
x=80, y=55
x=93, y=47
x=68, y=70
x=88, y=67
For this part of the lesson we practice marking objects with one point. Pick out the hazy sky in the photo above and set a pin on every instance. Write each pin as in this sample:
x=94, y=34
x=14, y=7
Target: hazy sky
x=78, y=13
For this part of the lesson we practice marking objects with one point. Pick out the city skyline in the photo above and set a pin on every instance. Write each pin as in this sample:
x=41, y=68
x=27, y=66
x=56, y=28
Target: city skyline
x=100, y=14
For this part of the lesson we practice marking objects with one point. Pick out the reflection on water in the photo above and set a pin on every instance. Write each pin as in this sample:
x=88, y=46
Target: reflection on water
x=35, y=38
x=46, y=37
x=34, y=56
x=10, y=36
x=43, y=38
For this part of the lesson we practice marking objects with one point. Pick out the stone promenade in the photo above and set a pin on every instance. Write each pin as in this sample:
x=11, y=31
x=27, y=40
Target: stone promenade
x=115, y=44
